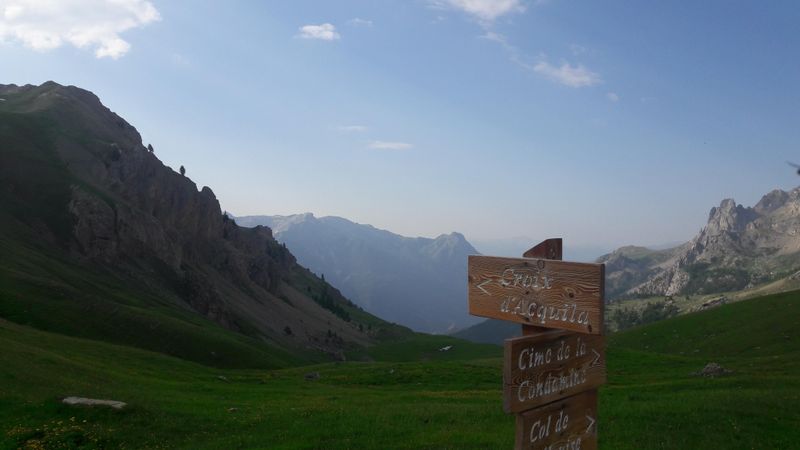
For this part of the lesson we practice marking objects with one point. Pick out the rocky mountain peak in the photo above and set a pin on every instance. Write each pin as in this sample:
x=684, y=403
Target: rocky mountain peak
x=729, y=216
x=451, y=247
x=739, y=247
x=454, y=239
x=772, y=201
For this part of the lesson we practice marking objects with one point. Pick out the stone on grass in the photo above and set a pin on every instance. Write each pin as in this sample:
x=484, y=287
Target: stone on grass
x=93, y=402
x=712, y=370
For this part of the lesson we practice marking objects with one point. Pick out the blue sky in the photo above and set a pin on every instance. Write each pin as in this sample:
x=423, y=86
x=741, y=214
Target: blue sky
x=606, y=123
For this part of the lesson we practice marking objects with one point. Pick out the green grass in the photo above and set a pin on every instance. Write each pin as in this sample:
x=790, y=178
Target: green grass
x=651, y=400
x=177, y=404
x=428, y=347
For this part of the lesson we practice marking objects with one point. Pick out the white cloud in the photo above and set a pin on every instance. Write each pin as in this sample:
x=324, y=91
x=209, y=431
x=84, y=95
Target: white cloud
x=567, y=74
x=385, y=145
x=352, y=128
x=48, y=24
x=325, y=32
x=485, y=11
x=359, y=22
x=612, y=96
x=576, y=49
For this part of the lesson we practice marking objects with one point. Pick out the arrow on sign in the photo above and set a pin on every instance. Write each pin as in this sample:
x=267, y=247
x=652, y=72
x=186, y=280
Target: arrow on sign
x=591, y=423
x=596, y=360
x=480, y=286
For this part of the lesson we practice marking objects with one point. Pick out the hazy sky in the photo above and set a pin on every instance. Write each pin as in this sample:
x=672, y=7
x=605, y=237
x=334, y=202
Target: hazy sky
x=605, y=123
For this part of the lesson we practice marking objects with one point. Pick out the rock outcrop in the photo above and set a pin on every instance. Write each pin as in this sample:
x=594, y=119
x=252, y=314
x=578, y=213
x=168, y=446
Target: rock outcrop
x=82, y=401
x=738, y=248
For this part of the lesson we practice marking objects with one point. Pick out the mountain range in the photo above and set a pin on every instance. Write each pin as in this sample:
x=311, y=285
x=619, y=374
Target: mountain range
x=738, y=249
x=417, y=282
x=99, y=239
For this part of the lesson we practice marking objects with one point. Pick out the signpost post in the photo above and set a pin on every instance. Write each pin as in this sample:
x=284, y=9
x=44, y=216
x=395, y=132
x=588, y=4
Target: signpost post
x=552, y=372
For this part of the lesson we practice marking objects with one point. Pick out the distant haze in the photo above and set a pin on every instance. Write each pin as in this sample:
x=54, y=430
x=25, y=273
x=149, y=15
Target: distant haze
x=515, y=247
x=417, y=282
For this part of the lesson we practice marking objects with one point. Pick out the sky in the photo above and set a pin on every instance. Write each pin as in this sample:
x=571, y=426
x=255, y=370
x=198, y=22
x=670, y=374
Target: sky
x=605, y=123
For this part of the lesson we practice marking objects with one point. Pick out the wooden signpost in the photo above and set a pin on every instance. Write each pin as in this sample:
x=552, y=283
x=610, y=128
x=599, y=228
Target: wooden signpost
x=569, y=424
x=551, y=373
x=542, y=368
x=540, y=292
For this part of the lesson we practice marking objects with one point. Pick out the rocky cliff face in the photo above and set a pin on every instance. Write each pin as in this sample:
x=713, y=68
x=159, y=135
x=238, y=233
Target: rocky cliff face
x=739, y=247
x=113, y=203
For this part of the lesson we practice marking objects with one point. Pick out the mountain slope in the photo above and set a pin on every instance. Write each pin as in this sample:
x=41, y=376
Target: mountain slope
x=631, y=265
x=101, y=240
x=739, y=247
x=416, y=282
x=490, y=331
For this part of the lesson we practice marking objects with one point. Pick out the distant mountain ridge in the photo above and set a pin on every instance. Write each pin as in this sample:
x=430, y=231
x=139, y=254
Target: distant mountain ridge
x=417, y=282
x=739, y=247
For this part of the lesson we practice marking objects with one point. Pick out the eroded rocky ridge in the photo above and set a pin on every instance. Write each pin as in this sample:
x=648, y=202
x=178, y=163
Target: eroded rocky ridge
x=738, y=248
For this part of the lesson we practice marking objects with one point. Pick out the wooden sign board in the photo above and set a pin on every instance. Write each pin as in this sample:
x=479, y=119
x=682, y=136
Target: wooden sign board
x=549, y=366
x=541, y=292
x=569, y=424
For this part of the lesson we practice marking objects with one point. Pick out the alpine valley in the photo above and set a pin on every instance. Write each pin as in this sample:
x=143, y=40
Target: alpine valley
x=135, y=314
x=417, y=282
x=100, y=240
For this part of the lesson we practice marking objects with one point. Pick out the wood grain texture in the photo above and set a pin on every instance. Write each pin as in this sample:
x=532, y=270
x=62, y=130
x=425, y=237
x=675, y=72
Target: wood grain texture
x=539, y=292
x=567, y=424
x=547, y=249
x=549, y=366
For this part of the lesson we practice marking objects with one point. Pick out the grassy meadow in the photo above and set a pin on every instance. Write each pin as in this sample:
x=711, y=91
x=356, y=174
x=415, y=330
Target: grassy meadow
x=412, y=395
